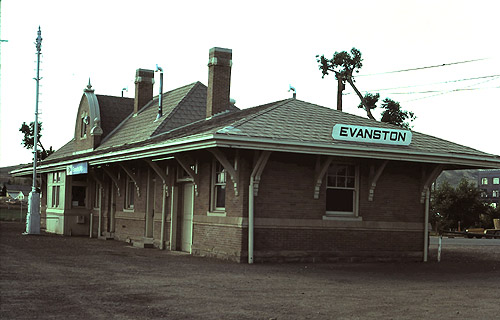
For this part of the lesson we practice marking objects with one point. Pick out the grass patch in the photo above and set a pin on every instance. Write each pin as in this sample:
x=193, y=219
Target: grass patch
x=13, y=213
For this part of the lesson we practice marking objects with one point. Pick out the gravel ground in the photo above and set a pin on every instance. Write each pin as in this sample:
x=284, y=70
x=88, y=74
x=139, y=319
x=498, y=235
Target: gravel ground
x=54, y=277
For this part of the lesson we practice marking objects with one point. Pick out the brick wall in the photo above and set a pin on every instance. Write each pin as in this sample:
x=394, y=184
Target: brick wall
x=291, y=225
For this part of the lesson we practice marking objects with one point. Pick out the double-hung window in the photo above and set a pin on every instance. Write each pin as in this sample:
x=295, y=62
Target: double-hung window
x=342, y=190
x=218, y=201
x=55, y=183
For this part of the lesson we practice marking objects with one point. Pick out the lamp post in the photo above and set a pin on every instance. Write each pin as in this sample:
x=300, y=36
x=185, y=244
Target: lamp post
x=33, y=217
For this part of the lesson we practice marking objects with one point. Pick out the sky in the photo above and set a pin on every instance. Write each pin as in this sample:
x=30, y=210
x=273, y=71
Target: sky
x=274, y=45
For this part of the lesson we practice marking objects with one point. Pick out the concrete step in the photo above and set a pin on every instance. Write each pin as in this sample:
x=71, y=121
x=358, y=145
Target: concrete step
x=107, y=236
x=144, y=243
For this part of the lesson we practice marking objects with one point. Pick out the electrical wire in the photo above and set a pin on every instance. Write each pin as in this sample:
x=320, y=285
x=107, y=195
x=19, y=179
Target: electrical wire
x=422, y=68
x=450, y=91
x=430, y=84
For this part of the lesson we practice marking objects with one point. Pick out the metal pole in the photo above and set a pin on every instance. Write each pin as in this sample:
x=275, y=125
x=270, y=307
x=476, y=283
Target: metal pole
x=440, y=243
x=33, y=217
x=426, y=226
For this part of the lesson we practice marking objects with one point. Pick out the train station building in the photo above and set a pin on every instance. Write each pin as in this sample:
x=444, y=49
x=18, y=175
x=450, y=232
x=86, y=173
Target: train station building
x=284, y=181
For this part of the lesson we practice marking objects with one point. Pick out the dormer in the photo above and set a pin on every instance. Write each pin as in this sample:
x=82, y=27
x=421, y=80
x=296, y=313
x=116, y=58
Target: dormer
x=88, y=131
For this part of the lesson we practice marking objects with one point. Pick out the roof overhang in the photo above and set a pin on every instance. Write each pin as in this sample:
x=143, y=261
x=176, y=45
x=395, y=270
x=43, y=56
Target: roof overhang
x=206, y=141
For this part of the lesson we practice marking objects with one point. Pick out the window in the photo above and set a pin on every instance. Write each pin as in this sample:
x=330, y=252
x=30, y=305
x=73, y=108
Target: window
x=341, y=190
x=83, y=126
x=129, y=194
x=218, y=186
x=55, y=182
x=484, y=193
x=495, y=194
x=496, y=180
x=182, y=174
x=79, y=191
x=484, y=181
x=56, y=191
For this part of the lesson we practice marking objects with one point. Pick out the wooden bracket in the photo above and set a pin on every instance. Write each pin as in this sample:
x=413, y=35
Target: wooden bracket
x=185, y=164
x=161, y=173
x=320, y=172
x=96, y=179
x=113, y=178
x=133, y=177
x=428, y=179
x=233, y=172
x=374, y=175
x=258, y=169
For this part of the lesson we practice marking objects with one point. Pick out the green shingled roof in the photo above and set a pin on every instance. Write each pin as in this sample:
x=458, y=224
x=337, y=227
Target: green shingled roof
x=289, y=125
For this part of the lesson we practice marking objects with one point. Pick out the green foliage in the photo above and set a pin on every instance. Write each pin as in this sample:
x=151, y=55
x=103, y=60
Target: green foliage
x=463, y=204
x=487, y=218
x=29, y=134
x=343, y=63
x=29, y=139
x=370, y=100
x=395, y=115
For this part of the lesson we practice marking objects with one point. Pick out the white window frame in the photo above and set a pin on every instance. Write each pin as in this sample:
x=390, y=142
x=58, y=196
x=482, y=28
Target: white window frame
x=355, y=190
x=215, y=183
x=484, y=181
x=495, y=194
x=496, y=180
x=84, y=126
x=56, y=181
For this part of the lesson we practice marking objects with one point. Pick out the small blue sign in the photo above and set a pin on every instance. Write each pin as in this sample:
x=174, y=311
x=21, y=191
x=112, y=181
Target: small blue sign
x=77, y=168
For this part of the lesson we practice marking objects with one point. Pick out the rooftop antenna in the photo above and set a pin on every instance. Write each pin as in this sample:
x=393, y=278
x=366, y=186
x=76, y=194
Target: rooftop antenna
x=292, y=89
x=33, y=216
x=160, y=100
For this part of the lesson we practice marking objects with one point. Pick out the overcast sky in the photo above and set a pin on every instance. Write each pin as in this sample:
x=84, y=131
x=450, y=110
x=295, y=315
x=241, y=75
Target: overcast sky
x=274, y=45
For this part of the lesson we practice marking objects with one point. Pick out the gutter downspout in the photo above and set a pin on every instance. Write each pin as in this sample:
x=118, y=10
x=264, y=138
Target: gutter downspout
x=426, y=226
x=163, y=215
x=252, y=193
x=250, y=218
x=99, y=224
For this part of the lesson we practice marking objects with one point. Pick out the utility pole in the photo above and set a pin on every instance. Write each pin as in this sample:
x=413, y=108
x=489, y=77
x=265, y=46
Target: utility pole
x=33, y=217
x=0, y=43
x=340, y=88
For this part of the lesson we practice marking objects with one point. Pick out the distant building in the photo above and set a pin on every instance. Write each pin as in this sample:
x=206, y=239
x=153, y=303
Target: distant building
x=18, y=192
x=489, y=183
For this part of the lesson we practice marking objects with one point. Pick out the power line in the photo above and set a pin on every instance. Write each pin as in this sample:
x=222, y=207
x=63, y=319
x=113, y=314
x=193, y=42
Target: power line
x=421, y=68
x=450, y=91
x=430, y=84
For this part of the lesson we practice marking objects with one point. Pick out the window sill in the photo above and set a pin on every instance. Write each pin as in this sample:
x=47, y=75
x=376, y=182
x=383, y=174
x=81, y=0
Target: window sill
x=341, y=217
x=128, y=210
x=216, y=213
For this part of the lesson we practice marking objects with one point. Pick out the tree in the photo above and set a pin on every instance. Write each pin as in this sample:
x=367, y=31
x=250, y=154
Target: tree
x=344, y=64
x=3, y=192
x=451, y=206
x=29, y=139
x=392, y=111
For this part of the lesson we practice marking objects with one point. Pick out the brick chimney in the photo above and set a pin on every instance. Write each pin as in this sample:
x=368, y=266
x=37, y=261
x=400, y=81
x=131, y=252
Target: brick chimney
x=219, y=80
x=144, y=80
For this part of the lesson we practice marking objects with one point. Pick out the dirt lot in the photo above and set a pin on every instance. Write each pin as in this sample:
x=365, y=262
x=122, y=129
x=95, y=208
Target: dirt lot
x=53, y=277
